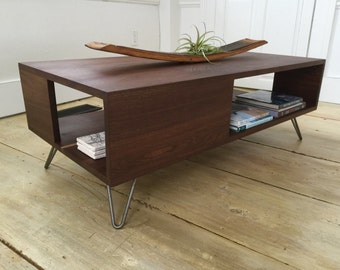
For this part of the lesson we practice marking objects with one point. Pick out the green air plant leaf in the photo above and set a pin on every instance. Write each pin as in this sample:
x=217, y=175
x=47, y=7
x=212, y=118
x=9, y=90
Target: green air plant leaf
x=202, y=46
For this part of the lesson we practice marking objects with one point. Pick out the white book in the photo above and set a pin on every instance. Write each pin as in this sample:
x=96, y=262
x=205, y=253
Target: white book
x=91, y=149
x=94, y=141
x=92, y=154
x=97, y=152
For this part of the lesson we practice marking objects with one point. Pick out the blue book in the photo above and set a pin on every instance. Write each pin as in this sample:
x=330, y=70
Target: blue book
x=243, y=114
x=251, y=124
x=268, y=99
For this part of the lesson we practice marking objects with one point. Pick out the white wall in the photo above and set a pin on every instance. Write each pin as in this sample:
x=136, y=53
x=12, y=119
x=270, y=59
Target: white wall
x=34, y=30
x=293, y=27
x=331, y=82
x=285, y=24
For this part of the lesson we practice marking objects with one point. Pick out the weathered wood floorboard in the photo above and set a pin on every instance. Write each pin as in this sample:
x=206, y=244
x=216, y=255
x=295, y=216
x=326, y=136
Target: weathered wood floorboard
x=316, y=131
x=300, y=231
x=10, y=260
x=265, y=202
x=301, y=174
x=60, y=221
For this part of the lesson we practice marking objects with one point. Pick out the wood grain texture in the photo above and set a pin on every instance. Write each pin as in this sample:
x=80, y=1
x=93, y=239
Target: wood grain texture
x=11, y=260
x=257, y=214
x=158, y=113
x=98, y=76
x=301, y=83
x=65, y=225
x=316, y=134
x=40, y=103
x=154, y=127
x=260, y=217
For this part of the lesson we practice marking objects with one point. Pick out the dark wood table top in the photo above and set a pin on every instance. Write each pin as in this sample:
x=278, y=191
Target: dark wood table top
x=98, y=76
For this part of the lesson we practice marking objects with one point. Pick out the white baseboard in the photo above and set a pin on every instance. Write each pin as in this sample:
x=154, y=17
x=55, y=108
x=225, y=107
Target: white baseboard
x=12, y=102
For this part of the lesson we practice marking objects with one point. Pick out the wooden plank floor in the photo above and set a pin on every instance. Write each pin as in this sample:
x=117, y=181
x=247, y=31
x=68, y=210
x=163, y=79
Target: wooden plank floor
x=268, y=201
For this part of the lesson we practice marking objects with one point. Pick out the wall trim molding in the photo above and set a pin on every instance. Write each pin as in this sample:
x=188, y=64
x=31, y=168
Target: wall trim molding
x=141, y=2
x=190, y=4
x=9, y=81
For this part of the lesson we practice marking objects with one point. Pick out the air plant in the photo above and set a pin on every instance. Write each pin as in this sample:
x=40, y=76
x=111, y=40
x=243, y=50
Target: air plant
x=202, y=46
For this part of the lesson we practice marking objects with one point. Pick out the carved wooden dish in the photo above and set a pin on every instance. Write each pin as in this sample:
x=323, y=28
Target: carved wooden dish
x=228, y=50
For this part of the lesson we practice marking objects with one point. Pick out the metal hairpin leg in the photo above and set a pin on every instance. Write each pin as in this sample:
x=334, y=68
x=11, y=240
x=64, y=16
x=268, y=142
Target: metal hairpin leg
x=50, y=157
x=296, y=127
x=126, y=210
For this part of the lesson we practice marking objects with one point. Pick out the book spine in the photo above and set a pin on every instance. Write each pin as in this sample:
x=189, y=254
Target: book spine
x=259, y=121
x=97, y=152
x=236, y=128
x=246, y=117
x=252, y=123
x=91, y=147
x=288, y=104
x=267, y=105
x=91, y=154
x=277, y=114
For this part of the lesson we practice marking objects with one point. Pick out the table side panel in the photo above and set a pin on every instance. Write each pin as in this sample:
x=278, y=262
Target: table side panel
x=150, y=128
x=304, y=82
x=40, y=105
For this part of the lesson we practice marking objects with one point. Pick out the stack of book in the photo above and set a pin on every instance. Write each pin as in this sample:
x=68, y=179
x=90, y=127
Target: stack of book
x=244, y=117
x=92, y=145
x=276, y=105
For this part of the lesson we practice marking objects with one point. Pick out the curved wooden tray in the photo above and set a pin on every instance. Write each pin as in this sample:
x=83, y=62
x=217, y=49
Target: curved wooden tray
x=228, y=50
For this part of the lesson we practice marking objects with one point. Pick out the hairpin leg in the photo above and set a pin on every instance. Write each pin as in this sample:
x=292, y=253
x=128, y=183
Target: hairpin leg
x=113, y=219
x=50, y=157
x=296, y=127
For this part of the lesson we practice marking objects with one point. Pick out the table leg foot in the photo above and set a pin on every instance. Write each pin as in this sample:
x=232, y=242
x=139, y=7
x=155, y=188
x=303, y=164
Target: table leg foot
x=126, y=210
x=296, y=127
x=53, y=151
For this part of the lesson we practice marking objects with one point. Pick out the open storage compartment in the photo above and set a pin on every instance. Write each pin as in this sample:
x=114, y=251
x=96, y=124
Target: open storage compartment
x=155, y=113
x=304, y=82
x=74, y=126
